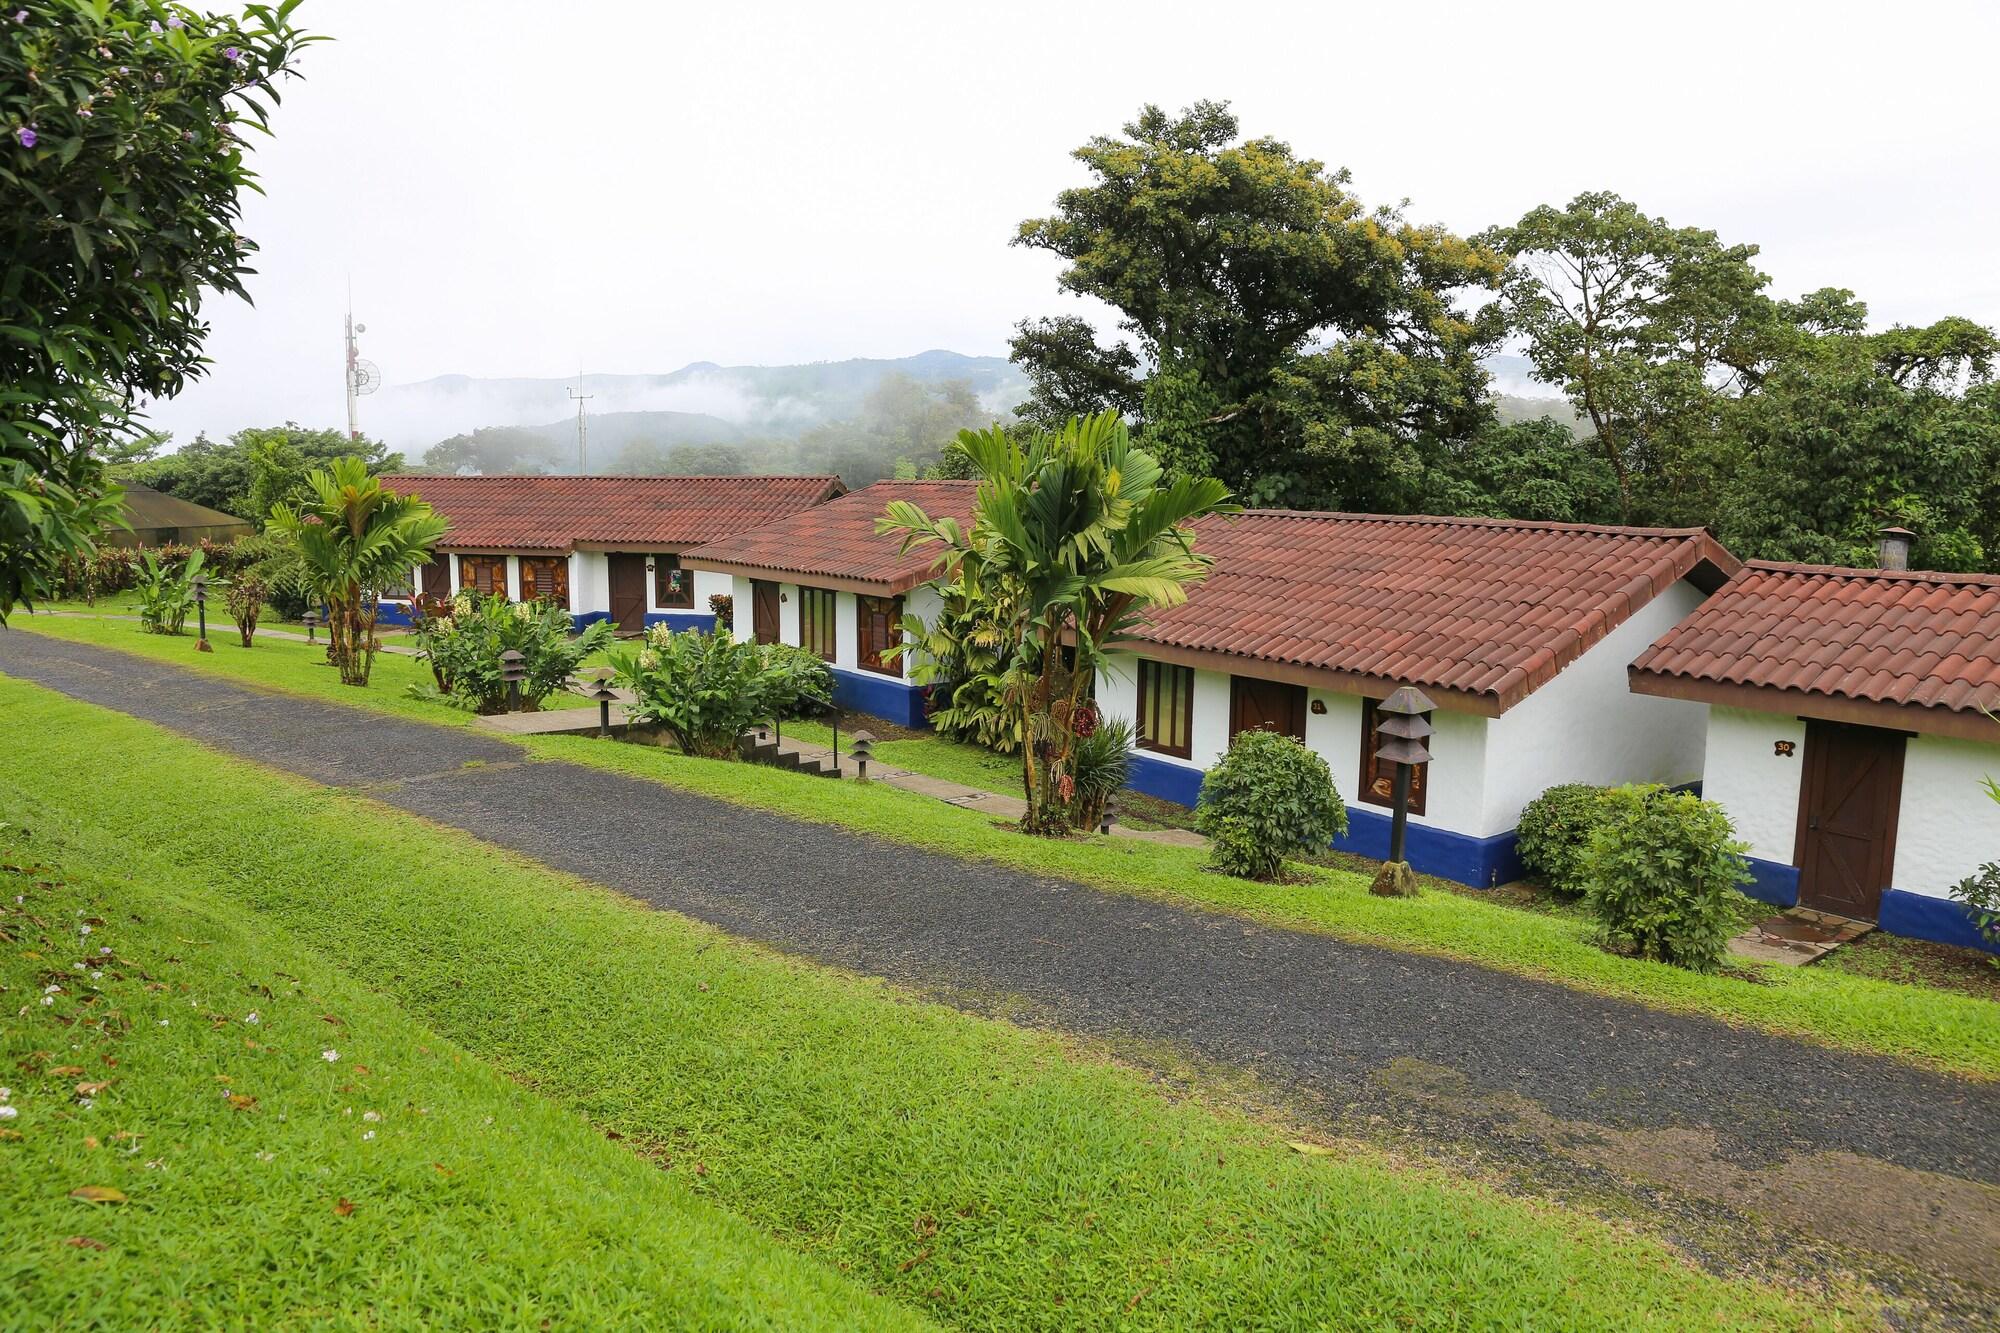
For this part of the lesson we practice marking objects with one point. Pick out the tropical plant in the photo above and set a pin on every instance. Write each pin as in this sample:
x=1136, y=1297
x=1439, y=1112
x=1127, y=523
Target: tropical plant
x=166, y=592
x=1078, y=533
x=1663, y=868
x=464, y=638
x=245, y=600
x=963, y=655
x=1103, y=757
x=800, y=682
x=1980, y=893
x=126, y=129
x=1268, y=797
x=1555, y=832
x=705, y=690
x=355, y=536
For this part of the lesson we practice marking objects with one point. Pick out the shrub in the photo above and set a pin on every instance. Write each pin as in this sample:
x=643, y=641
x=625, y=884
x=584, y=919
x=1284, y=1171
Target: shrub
x=1662, y=870
x=801, y=683
x=463, y=641
x=166, y=592
x=705, y=690
x=246, y=601
x=1980, y=893
x=1269, y=796
x=1555, y=833
x=723, y=606
x=1098, y=767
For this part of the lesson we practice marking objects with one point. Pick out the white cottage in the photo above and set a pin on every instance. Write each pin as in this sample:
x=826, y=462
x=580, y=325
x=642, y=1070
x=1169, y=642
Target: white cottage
x=601, y=547
x=1519, y=632
x=824, y=579
x=1849, y=734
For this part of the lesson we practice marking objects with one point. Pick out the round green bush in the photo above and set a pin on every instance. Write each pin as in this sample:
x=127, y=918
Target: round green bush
x=1269, y=796
x=1555, y=833
x=1662, y=869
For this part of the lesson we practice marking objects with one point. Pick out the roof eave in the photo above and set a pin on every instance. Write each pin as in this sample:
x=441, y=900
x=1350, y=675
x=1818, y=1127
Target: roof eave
x=1955, y=723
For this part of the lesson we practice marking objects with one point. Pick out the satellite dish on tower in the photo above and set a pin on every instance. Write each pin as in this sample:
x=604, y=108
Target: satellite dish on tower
x=364, y=377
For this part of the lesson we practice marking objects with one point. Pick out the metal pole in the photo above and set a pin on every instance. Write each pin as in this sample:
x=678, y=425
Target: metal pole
x=353, y=418
x=1402, y=803
x=581, y=398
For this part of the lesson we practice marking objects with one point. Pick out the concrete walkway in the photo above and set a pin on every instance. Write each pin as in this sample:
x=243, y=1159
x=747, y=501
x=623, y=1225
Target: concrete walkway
x=1788, y=1152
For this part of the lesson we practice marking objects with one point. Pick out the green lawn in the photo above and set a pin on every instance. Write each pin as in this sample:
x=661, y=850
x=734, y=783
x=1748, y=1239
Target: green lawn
x=1947, y=1030
x=987, y=1176
x=932, y=756
x=400, y=1182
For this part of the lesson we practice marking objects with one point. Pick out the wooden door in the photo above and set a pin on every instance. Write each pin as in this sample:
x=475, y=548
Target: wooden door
x=627, y=577
x=764, y=611
x=1849, y=794
x=1267, y=705
x=434, y=579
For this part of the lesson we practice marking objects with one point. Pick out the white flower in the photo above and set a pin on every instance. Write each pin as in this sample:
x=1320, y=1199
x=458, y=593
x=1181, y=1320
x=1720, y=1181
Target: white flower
x=329, y=1056
x=85, y=927
x=96, y=976
x=76, y=967
x=105, y=949
x=163, y=1022
x=6, y=1093
x=266, y=1156
x=251, y=1017
x=50, y=999
x=52, y=989
x=367, y=1135
x=9, y=1112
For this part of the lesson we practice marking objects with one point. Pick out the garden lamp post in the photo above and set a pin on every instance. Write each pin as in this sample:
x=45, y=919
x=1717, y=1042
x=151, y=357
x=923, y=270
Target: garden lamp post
x=1402, y=727
x=862, y=747
x=604, y=695
x=312, y=623
x=1109, y=812
x=513, y=670
x=201, y=613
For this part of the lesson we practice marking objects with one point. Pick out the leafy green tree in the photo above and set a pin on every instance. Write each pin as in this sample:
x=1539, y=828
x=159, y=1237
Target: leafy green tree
x=122, y=159
x=1526, y=469
x=1070, y=374
x=495, y=450
x=1081, y=533
x=1264, y=298
x=355, y=537
x=255, y=468
x=1852, y=432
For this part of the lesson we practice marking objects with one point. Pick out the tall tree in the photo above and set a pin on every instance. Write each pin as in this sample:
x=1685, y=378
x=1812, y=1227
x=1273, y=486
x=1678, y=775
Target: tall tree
x=355, y=537
x=1262, y=295
x=122, y=162
x=255, y=468
x=1076, y=534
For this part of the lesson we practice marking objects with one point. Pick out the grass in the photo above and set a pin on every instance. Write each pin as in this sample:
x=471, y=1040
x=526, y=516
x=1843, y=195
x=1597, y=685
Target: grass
x=932, y=756
x=984, y=1175
x=1951, y=1031
x=261, y=1185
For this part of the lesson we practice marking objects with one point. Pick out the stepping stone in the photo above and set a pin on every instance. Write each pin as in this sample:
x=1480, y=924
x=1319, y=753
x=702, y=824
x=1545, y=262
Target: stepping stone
x=1797, y=936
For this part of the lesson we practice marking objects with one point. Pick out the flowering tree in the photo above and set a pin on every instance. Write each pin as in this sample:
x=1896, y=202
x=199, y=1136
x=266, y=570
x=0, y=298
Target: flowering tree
x=355, y=536
x=1081, y=533
x=120, y=165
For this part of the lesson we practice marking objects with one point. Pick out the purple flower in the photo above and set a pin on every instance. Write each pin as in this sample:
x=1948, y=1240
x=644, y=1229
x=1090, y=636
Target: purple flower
x=20, y=16
x=26, y=134
x=232, y=55
x=176, y=22
x=156, y=25
x=84, y=111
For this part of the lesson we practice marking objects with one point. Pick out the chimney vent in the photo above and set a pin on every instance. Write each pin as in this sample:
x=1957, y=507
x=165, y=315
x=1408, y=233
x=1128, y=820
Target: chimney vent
x=1892, y=548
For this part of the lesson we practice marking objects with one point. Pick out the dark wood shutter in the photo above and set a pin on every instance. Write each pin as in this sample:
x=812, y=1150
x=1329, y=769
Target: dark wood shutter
x=545, y=578
x=483, y=574
x=816, y=634
x=1267, y=705
x=434, y=579
x=1378, y=779
x=880, y=625
x=1166, y=708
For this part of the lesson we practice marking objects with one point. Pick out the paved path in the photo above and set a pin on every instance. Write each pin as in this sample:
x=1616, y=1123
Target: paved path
x=1447, y=1052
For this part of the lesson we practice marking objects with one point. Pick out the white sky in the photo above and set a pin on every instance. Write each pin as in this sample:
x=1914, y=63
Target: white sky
x=517, y=189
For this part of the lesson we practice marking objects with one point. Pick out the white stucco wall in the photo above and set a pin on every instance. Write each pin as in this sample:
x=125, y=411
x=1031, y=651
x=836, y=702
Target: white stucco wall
x=589, y=581
x=788, y=614
x=1759, y=788
x=846, y=632
x=707, y=584
x=1586, y=725
x=1948, y=826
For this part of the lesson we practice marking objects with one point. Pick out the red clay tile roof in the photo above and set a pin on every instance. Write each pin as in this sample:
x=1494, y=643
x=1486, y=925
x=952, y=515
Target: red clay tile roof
x=1898, y=648
x=556, y=513
x=837, y=543
x=1486, y=610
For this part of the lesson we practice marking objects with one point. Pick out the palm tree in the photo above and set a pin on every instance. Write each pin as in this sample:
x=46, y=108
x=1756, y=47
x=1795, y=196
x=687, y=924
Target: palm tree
x=1083, y=533
x=355, y=536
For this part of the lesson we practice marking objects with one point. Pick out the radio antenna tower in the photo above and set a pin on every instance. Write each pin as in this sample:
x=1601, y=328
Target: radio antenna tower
x=363, y=377
x=579, y=397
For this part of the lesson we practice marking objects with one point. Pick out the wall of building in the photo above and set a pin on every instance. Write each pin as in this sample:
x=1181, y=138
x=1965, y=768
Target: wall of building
x=892, y=697
x=1948, y=825
x=1586, y=725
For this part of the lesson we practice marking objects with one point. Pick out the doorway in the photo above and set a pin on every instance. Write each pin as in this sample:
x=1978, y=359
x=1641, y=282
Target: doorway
x=1848, y=798
x=1267, y=705
x=764, y=611
x=627, y=574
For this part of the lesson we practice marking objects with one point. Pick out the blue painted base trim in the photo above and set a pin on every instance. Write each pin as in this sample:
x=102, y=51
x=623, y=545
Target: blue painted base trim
x=1922, y=917
x=1461, y=858
x=681, y=621
x=1773, y=882
x=885, y=697
x=392, y=613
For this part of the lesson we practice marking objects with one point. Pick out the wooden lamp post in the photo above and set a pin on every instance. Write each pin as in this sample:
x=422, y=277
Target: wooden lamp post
x=1402, y=728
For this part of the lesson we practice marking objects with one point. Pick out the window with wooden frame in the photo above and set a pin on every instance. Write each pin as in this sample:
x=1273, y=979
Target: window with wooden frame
x=673, y=587
x=1166, y=708
x=1378, y=776
x=816, y=621
x=880, y=624
x=545, y=578
x=483, y=574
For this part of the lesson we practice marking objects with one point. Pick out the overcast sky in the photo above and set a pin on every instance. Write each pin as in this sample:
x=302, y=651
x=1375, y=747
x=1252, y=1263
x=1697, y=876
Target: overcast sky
x=520, y=189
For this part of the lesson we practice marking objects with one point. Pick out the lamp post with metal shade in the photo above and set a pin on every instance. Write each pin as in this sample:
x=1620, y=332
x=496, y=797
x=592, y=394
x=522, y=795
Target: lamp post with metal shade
x=513, y=670
x=201, y=613
x=605, y=697
x=312, y=623
x=1402, y=727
